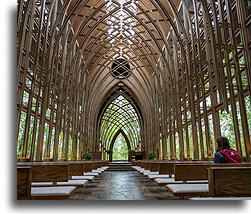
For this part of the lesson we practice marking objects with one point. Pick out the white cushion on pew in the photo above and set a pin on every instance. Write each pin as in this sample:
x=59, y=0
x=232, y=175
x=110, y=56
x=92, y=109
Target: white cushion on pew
x=100, y=168
x=140, y=169
x=91, y=173
x=51, y=191
x=158, y=176
x=150, y=173
x=104, y=167
x=84, y=177
x=73, y=182
x=40, y=184
x=198, y=182
x=172, y=181
x=167, y=181
x=136, y=167
x=187, y=188
x=97, y=170
x=220, y=198
x=143, y=170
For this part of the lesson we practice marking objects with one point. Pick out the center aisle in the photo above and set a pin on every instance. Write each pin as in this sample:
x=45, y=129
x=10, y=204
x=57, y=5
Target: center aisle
x=122, y=185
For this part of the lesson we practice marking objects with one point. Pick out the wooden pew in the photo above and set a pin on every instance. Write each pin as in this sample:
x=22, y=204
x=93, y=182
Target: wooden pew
x=83, y=169
x=76, y=171
x=198, y=171
x=154, y=166
x=195, y=172
x=167, y=167
x=225, y=181
x=147, y=165
x=166, y=170
x=48, y=172
x=23, y=183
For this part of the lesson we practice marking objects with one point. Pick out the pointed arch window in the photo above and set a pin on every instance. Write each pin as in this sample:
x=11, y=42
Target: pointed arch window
x=120, y=113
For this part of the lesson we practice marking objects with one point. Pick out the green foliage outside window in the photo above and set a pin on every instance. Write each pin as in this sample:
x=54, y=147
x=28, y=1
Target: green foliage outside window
x=110, y=152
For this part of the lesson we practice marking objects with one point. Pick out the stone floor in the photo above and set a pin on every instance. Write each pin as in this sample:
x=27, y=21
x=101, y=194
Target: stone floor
x=122, y=185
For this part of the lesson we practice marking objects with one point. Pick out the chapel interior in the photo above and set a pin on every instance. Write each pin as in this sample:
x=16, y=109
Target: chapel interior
x=125, y=99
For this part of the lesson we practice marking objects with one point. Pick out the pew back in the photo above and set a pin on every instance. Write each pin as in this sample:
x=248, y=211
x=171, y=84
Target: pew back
x=76, y=169
x=48, y=172
x=198, y=171
x=154, y=166
x=225, y=181
x=167, y=167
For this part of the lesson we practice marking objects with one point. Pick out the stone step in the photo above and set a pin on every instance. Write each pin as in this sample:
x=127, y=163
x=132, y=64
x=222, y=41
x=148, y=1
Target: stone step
x=124, y=165
x=120, y=166
x=120, y=163
x=119, y=169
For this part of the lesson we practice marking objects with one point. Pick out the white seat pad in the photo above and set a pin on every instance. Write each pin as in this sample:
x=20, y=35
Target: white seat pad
x=143, y=170
x=220, y=198
x=136, y=167
x=167, y=181
x=172, y=181
x=73, y=182
x=153, y=176
x=84, y=177
x=104, y=168
x=51, y=191
x=91, y=173
x=187, y=188
x=199, y=181
x=150, y=173
x=41, y=184
x=97, y=170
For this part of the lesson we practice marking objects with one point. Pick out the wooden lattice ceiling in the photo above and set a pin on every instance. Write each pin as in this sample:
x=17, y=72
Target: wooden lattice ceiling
x=91, y=21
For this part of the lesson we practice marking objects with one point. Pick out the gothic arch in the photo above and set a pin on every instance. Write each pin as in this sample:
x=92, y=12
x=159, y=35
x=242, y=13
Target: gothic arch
x=120, y=131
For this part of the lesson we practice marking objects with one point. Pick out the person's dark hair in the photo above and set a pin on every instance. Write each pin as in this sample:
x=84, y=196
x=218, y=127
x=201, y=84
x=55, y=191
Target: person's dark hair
x=223, y=143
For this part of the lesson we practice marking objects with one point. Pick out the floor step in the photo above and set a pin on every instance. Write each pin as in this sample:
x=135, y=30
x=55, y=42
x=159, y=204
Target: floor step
x=120, y=166
x=119, y=169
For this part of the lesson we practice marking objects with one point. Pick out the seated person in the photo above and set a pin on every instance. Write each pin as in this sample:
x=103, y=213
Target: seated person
x=224, y=153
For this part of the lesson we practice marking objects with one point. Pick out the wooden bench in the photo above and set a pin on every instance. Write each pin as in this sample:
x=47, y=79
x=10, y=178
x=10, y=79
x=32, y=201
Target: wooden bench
x=151, y=168
x=23, y=182
x=76, y=171
x=154, y=166
x=228, y=184
x=48, y=172
x=167, y=167
x=195, y=172
x=225, y=181
x=171, y=169
x=199, y=171
x=167, y=170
